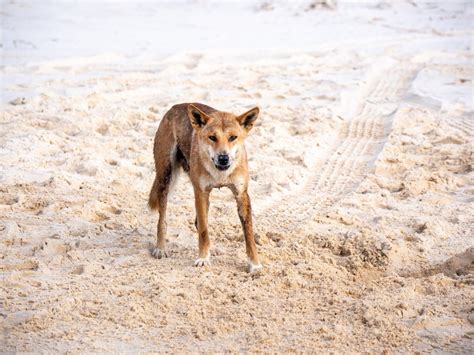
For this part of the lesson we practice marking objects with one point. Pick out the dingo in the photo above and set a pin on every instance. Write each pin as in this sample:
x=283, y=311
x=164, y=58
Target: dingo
x=208, y=145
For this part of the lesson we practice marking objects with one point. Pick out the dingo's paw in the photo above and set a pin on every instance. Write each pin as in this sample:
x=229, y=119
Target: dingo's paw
x=254, y=268
x=202, y=261
x=159, y=253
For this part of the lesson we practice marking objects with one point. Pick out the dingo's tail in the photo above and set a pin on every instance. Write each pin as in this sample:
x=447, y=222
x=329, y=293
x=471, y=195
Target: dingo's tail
x=153, y=198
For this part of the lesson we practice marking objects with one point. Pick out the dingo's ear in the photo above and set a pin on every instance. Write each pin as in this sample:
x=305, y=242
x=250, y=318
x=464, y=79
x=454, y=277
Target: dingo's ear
x=247, y=119
x=197, y=118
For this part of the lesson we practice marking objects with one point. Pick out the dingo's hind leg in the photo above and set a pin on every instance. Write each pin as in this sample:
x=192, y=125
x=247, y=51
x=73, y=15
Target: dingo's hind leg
x=165, y=170
x=159, y=200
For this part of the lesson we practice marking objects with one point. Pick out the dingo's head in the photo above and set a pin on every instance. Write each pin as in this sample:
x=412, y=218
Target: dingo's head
x=222, y=134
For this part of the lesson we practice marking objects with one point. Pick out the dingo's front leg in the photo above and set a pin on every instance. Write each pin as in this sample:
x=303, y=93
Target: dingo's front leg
x=245, y=214
x=202, y=203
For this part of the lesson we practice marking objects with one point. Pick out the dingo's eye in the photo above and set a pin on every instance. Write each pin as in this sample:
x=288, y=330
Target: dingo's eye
x=213, y=138
x=232, y=138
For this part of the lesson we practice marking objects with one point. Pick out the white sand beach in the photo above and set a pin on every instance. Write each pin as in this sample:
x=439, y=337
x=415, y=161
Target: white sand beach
x=361, y=167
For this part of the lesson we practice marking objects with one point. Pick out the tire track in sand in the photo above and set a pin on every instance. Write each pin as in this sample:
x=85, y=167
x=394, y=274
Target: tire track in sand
x=352, y=155
x=461, y=124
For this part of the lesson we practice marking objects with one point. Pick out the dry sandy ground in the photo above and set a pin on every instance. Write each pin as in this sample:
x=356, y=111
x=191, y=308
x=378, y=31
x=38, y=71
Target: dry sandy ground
x=362, y=186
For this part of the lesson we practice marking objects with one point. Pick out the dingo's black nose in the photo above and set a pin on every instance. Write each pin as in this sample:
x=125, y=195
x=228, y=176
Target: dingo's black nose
x=223, y=159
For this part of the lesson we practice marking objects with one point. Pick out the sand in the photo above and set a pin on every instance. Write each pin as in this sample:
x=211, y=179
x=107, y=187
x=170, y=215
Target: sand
x=361, y=169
